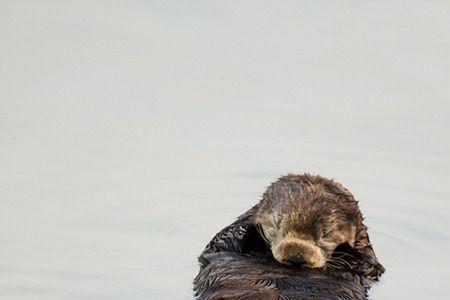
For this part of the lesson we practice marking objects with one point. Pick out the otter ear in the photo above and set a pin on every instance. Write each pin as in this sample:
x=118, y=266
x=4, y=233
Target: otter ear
x=366, y=263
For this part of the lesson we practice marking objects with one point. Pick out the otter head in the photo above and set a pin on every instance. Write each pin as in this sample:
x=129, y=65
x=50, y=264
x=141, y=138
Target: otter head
x=305, y=219
x=309, y=231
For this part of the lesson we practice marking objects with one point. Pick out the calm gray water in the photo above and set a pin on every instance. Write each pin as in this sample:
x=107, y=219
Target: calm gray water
x=132, y=131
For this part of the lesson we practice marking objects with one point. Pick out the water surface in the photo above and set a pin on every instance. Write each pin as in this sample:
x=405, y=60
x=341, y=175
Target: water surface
x=131, y=132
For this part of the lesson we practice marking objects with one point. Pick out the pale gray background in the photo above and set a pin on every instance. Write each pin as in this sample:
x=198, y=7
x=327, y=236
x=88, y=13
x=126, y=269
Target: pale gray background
x=132, y=131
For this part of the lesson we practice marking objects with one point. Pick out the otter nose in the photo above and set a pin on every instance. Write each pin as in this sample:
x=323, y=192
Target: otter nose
x=296, y=260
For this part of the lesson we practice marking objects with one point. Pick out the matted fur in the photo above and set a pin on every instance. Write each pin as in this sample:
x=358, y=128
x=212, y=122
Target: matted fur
x=304, y=240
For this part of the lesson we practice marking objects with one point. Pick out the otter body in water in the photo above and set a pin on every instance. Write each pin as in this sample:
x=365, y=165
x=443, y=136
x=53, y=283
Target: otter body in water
x=304, y=240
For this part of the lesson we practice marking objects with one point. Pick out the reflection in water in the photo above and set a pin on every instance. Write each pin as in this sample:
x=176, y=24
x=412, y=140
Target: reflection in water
x=132, y=133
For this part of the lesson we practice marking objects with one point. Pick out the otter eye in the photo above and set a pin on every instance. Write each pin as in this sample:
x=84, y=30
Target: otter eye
x=340, y=227
x=327, y=233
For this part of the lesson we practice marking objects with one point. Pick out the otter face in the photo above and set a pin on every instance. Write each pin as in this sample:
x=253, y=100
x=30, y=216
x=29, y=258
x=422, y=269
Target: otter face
x=307, y=239
x=315, y=222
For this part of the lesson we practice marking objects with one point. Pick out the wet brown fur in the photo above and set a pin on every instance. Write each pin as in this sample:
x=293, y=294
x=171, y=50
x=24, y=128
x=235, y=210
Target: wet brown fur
x=300, y=217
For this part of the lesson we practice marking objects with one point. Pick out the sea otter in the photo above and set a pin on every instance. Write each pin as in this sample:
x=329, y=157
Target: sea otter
x=304, y=240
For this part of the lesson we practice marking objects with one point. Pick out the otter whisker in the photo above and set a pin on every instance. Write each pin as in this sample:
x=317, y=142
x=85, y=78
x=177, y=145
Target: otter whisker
x=341, y=262
x=332, y=266
x=335, y=263
x=344, y=253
